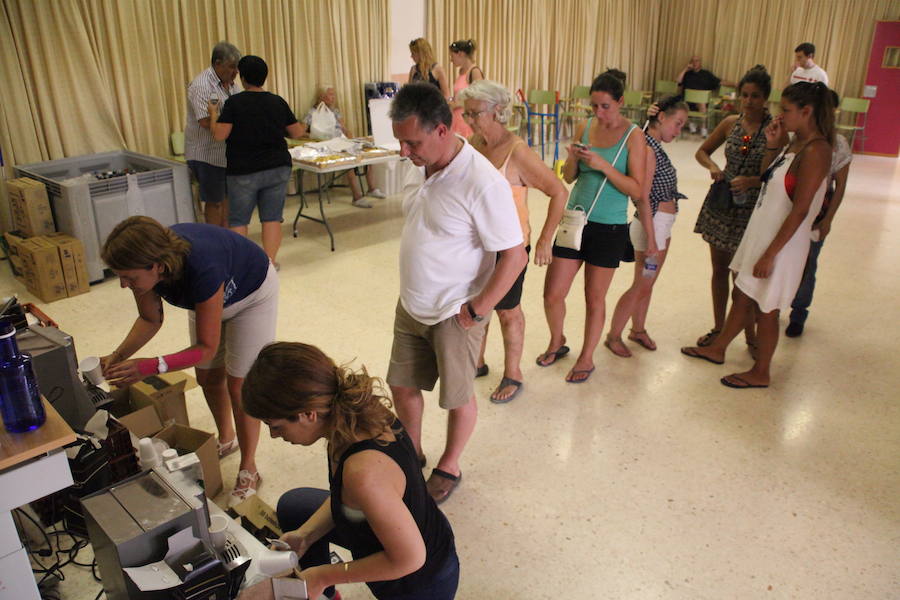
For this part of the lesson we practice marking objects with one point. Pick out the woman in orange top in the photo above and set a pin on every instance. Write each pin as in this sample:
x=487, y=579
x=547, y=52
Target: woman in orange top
x=488, y=106
x=462, y=56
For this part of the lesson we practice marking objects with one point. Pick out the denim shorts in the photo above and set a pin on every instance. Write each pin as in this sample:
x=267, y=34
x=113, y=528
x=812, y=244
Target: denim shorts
x=211, y=180
x=263, y=189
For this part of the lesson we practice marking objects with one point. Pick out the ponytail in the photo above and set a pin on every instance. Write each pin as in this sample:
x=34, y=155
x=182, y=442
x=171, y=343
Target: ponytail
x=820, y=98
x=290, y=378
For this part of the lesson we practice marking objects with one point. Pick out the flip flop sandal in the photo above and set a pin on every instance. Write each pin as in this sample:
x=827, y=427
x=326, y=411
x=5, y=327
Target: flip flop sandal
x=227, y=448
x=742, y=385
x=558, y=354
x=442, y=481
x=422, y=461
x=609, y=346
x=708, y=338
x=506, y=382
x=690, y=352
x=574, y=372
x=482, y=371
x=634, y=336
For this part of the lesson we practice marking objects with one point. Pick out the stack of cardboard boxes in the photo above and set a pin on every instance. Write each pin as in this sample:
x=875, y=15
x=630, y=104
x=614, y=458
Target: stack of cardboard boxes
x=51, y=265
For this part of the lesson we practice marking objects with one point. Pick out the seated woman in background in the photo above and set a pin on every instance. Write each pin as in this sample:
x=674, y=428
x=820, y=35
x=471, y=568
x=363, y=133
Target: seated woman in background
x=325, y=123
x=253, y=124
x=661, y=188
x=608, y=161
x=488, y=107
x=462, y=56
x=769, y=262
x=426, y=67
x=377, y=506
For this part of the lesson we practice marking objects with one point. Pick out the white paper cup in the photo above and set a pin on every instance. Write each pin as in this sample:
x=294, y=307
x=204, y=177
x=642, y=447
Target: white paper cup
x=90, y=368
x=217, y=527
x=276, y=562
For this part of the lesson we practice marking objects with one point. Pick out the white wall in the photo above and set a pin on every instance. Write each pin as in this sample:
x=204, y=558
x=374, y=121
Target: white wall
x=407, y=24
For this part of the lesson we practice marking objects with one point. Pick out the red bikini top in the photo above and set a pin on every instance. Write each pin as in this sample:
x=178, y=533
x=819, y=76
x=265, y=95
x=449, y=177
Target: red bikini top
x=790, y=182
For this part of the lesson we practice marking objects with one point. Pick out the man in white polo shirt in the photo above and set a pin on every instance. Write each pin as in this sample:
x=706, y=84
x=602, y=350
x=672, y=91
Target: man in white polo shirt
x=807, y=70
x=205, y=156
x=450, y=277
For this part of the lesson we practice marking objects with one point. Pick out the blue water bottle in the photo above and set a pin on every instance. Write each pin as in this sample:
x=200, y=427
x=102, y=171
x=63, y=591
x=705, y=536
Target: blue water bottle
x=20, y=399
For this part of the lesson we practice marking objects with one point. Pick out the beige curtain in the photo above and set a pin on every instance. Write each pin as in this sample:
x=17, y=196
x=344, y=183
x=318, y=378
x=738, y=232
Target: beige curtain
x=84, y=76
x=549, y=44
x=733, y=36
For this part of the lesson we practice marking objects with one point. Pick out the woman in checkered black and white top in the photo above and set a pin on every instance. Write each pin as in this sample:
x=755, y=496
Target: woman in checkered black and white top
x=661, y=184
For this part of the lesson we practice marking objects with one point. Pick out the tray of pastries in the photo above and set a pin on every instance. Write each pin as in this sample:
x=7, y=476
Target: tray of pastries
x=330, y=160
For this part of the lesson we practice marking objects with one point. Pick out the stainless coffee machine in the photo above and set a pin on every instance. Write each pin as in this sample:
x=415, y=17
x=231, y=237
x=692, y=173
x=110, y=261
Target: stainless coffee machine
x=152, y=542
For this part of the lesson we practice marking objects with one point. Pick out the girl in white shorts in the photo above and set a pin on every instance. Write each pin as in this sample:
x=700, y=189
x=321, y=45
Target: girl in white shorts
x=661, y=185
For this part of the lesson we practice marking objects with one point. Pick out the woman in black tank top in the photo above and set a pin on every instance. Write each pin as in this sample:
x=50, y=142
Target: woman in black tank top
x=377, y=506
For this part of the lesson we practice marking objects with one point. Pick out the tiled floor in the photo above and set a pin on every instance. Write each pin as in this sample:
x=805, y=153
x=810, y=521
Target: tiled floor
x=652, y=480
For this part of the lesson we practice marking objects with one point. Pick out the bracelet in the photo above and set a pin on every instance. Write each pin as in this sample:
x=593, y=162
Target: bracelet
x=346, y=572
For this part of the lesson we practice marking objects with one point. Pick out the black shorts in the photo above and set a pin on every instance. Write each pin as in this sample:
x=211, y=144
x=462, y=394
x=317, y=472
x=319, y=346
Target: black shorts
x=601, y=245
x=514, y=296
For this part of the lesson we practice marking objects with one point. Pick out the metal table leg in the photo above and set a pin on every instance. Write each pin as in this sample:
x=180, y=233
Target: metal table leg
x=323, y=220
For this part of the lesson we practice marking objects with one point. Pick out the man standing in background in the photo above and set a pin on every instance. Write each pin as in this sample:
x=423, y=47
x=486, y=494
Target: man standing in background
x=204, y=155
x=804, y=67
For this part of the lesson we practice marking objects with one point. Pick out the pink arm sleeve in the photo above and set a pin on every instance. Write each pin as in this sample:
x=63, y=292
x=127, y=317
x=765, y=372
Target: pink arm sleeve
x=179, y=360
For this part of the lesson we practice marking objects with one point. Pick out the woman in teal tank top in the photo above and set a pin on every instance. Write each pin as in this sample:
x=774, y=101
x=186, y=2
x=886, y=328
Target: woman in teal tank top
x=606, y=233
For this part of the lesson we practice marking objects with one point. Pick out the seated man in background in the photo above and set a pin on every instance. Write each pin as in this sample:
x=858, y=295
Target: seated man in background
x=804, y=67
x=693, y=77
x=323, y=122
x=204, y=155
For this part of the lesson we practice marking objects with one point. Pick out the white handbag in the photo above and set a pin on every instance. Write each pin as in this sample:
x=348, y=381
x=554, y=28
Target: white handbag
x=323, y=124
x=571, y=227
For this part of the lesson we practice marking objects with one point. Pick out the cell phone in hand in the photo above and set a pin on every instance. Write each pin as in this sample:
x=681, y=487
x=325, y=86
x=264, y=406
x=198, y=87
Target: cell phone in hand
x=580, y=146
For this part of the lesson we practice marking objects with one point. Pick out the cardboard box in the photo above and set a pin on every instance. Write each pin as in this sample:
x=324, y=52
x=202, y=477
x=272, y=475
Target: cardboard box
x=145, y=422
x=165, y=393
x=258, y=518
x=43, y=270
x=30, y=207
x=71, y=258
x=12, y=239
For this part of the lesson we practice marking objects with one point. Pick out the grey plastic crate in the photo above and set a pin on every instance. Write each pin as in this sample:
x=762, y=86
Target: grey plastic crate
x=90, y=210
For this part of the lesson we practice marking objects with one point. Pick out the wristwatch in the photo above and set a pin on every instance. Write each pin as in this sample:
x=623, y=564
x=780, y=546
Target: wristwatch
x=475, y=316
x=161, y=365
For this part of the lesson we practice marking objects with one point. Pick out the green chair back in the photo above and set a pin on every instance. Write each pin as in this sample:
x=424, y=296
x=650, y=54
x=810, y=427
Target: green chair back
x=856, y=105
x=726, y=90
x=697, y=96
x=581, y=92
x=536, y=97
x=775, y=96
x=177, y=140
x=633, y=98
x=664, y=86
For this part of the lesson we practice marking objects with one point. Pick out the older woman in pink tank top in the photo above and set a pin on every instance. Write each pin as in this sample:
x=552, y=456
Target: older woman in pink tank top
x=488, y=107
x=462, y=55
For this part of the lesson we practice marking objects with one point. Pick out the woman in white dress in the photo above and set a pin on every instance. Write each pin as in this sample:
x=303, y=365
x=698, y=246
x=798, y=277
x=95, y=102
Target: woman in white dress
x=769, y=262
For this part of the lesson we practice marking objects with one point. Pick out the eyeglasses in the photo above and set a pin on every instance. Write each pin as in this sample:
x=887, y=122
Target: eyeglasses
x=745, y=146
x=473, y=114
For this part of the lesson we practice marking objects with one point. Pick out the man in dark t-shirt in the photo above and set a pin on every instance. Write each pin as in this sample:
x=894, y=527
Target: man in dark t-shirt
x=693, y=77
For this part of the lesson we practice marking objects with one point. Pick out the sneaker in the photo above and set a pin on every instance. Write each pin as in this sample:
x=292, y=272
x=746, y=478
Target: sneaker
x=794, y=329
x=246, y=486
x=692, y=127
x=228, y=447
x=376, y=193
x=704, y=132
x=362, y=203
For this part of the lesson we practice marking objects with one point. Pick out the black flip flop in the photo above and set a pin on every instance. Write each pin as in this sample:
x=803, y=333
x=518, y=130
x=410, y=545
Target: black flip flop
x=558, y=354
x=454, y=482
x=482, y=371
x=506, y=382
x=694, y=354
x=747, y=385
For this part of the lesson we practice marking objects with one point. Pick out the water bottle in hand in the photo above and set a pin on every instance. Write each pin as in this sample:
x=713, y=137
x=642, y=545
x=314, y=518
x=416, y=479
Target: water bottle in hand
x=650, y=267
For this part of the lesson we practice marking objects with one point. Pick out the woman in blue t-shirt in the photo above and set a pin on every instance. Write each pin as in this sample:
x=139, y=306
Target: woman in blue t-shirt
x=606, y=135
x=231, y=290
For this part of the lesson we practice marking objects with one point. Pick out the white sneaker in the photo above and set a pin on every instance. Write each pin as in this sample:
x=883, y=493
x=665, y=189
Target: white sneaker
x=376, y=193
x=692, y=127
x=362, y=203
x=704, y=132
